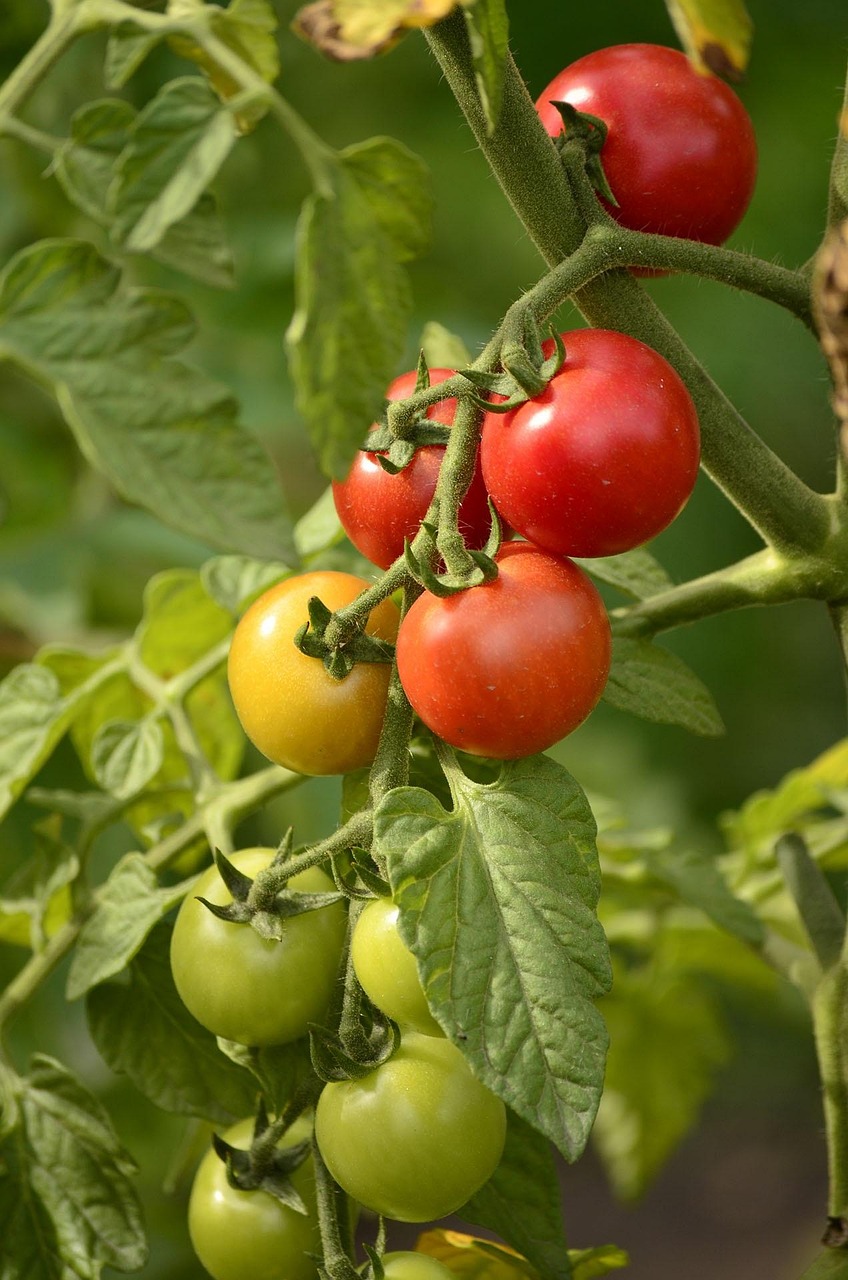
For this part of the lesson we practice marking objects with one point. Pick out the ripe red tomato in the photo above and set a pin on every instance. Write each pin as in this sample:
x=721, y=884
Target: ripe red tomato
x=680, y=154
x=379, y=510
x=604, y=458
x=289, y=706
x=510, y=667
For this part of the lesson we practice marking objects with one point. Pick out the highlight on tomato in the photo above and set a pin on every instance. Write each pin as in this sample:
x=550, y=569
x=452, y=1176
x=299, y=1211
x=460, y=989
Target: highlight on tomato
x=680, y=154
x=510, y=667
x=379, y=510
x=239, y=1234
x=604, y=458
x=415, y=1137
x=290, y=707
x=255, y=990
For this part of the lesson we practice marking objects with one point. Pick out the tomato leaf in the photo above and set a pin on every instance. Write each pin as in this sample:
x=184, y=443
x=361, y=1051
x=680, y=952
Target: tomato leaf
x=247, y=28
x=37, y=899
x=80, y=1173
x=126, y=754
x=86, y=166
x=587, y=1264
x=34, y=716
x=831, y=1264
x=497, y=902
x=126, y=51
x=280, y=1069
x=25, y=1228
x=165, y=435
x=636, y=573
x=697, y=879
x=716, y=34
x=348, y=30
x=488, y=35
x=348, y=329
x=666, y=1043
x=522, y=1201
x=129, y=904
x=443, y=349
x=234, y=582
x=473, y=1258
x=144, y=1030
x=657, y=685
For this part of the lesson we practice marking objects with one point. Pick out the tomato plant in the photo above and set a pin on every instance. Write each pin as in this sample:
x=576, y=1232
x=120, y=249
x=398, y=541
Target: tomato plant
x=510, y=667
x=606, y=456
x=415, y=1138
x=386, y=969
x=680, y=153
x=291, y=708
x=480, y=948
x=378, y=510
x=237, y=1232
x=255, y=990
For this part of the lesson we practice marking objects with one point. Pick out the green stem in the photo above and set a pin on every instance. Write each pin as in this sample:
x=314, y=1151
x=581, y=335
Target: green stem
x=268, y=883
x=334, y=1223
x=829, y=1024
x=60, y=33
x=14, y=128
x=776, y=502
x=764, y=578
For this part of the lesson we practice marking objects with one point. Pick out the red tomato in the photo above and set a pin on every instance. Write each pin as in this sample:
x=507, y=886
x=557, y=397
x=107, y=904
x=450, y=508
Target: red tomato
x=379, y=510
x=604, y=458
x=680, y=154
x=510, y=667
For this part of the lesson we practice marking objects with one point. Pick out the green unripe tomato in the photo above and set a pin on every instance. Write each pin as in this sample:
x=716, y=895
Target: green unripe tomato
x=416, y=1137
x=414, y=1266
x=237, y=1234
x=386, y=968
x=254, y=990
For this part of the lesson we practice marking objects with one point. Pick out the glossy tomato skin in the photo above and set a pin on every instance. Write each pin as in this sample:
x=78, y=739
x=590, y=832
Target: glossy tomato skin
x=386, y=968
x=415, y=1138
x=508, y=668
x=605, y=458
x=250, y=989
x=237, y=1234
x=378, y=511
x=414, y=1266
x=288, y=704
x=680, y=154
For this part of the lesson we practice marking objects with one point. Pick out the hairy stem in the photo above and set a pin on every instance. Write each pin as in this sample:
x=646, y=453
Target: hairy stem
x=829, y=1023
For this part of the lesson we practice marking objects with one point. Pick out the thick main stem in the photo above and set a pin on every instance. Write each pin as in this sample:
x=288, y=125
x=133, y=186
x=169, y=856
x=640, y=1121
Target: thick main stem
x=778, y=504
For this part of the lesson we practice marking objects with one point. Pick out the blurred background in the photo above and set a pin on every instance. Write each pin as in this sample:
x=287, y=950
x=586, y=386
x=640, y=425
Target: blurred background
x=744, y=1197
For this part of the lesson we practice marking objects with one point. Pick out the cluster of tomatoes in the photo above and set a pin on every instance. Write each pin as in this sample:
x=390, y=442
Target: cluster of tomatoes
x=598, y=463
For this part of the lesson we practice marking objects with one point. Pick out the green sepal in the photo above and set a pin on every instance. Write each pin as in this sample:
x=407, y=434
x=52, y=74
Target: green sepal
x=244, y=1176
x=339, y=661
x=333, y=1062
x=591, y=133
x=238, y=884
x=495, y=538
x=400, y=454
x=373, y=885
x=448, y=585
x=269, y=923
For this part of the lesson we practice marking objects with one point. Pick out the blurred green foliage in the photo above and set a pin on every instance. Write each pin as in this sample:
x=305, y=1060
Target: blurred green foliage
x=74, y=559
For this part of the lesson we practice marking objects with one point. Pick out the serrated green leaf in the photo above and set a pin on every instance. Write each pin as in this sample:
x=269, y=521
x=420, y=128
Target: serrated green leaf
x=667, y=1042
x=127, y=49
x=522, y=1202
x=180, y=622
x=352, y=292
x=279, y=1069
x=636, y=573
x=234, y=582
x=488, y=35
x=497, y=902
x=37, y=899
x=165, y=435
x=657, y=685
x=716, y=34
x=176, y=147
x=443, y=349
x=247, y=28
x=129, y=904
x=29, y=1243
x=34, y=716
x=86, y=165
x=144, y=1030
x=81, y=1174
x=126, y=754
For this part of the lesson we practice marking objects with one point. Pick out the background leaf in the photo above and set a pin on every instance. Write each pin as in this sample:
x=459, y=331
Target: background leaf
x=165, y=435
x=716, y=34
x=657, y=685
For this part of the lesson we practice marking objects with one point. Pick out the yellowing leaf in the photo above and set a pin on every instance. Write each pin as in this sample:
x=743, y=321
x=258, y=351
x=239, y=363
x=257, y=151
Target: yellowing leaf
x=473, y=1258
x=248, y=28
x=716, y=34
x=348, y=30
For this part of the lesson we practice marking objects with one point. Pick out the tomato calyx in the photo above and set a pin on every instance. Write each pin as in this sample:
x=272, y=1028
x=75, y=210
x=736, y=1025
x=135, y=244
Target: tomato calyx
x=480, y=565
x=360, y=869
x=525, y=369
x=268, y=1171
x=588, y=133
x=267, y=915
x=339, y=659
x=366, y=1040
